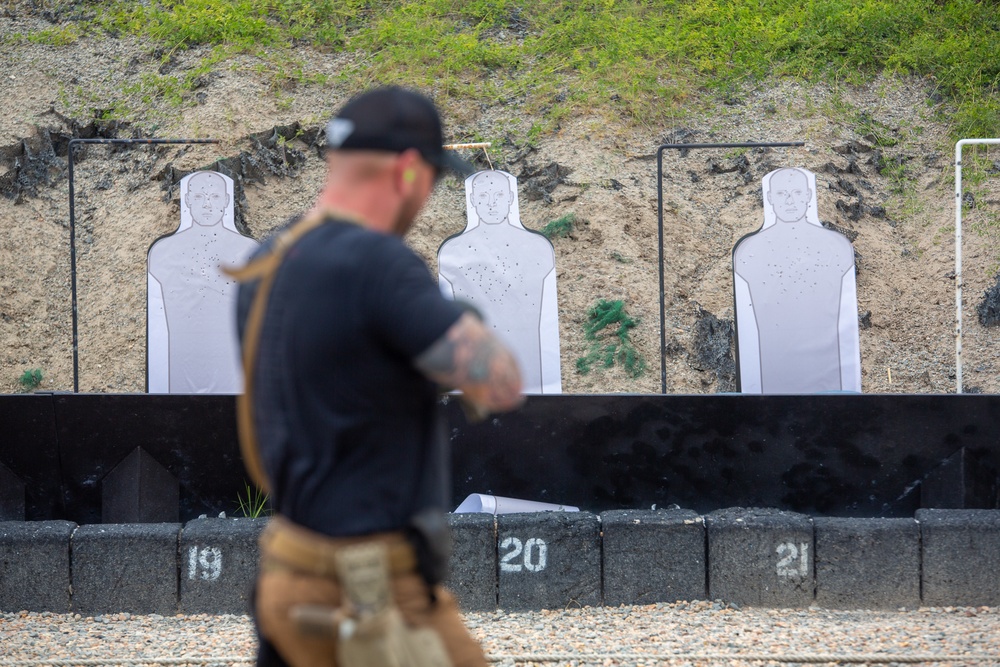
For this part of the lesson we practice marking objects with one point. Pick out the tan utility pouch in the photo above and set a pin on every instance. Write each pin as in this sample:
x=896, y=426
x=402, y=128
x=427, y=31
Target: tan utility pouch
x=369, y=627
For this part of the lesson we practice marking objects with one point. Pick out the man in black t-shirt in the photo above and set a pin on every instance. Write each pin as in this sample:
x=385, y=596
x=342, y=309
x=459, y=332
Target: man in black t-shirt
x=348, y=348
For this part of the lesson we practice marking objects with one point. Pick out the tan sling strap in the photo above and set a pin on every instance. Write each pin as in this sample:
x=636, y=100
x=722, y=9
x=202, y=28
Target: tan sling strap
x=265, y=268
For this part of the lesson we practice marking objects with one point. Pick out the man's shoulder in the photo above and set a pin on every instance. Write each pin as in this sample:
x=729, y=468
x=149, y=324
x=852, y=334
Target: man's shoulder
x=368, y=244
x=341, y=236
x=348, y=246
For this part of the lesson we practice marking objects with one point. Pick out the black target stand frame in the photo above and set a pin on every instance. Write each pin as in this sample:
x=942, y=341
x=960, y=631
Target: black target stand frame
x=73, y=143
x=659, y=217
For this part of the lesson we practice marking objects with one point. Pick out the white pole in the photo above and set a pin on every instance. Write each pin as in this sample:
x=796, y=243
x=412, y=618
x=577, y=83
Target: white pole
x=958, y=254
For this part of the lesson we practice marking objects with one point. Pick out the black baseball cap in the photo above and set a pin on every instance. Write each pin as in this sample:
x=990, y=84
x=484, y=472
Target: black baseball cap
x=393, y=119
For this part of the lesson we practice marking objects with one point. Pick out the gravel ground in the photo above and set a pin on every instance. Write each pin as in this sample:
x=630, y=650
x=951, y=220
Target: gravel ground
x=631, y=636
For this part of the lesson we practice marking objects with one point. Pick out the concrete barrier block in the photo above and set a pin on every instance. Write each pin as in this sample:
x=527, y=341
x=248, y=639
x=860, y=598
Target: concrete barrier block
x=125, y=568
x=548, y=560
x=760, y=557
x=218, y=565
x=961, y=557
x=34, y=566
x=473, y=576
x=867, y=563
x=653, y=556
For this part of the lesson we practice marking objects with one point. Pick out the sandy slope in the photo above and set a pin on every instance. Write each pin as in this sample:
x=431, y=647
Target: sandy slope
x=904, y=256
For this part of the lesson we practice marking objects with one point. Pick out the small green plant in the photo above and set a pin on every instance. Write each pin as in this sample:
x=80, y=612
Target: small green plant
x=876, y=132
x=560, y=227
x=609, y=346
x=283, y=102
x=252, y=504
x=61, y=36
x=894, y=169
x=31, y=379
x=620, y=258
x=534, y=133
x=151, y=87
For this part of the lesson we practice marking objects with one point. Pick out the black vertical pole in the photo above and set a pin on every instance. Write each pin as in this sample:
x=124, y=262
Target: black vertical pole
x=659, y=219
x=72, y=227
x=659, y=230
x=72, y=266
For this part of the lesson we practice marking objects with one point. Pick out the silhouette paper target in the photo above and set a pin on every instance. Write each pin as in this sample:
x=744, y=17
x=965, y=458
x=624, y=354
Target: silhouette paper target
x=191, y=339
x=508, y=273
x=796, y=296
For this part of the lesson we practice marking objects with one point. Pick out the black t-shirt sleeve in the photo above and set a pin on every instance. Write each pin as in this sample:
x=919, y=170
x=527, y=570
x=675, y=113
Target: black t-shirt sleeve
x=408, y=311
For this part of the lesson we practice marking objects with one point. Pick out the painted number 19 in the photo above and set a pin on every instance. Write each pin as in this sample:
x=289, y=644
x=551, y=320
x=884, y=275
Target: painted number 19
x=204, y=563
x=793, y=559
x=532, y=553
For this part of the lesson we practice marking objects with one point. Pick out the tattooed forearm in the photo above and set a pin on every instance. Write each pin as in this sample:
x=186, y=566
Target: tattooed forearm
x=482, y=356
x=465, y=354
x=439, y=360
x=470, y=358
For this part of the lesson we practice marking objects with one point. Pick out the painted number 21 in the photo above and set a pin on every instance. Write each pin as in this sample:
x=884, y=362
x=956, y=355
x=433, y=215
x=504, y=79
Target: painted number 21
x=532, y=554
x=793, y=560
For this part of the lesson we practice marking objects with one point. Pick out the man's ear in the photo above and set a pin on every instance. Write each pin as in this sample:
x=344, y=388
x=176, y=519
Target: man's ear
x=405, y=170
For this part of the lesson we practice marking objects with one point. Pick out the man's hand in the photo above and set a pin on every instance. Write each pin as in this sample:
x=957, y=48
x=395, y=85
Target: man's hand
x=470, y=358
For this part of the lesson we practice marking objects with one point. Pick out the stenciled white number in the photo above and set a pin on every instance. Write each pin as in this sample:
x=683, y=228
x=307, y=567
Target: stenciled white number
x=533, y=553
x=793, y=560
x=535, y=544
x=515, y=546
x=205, y=563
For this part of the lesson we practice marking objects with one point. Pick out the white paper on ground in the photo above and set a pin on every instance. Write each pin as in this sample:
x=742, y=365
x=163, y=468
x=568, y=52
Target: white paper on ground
x=480, y=503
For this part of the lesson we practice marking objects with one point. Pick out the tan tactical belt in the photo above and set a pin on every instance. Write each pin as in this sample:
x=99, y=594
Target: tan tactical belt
x=285, y=545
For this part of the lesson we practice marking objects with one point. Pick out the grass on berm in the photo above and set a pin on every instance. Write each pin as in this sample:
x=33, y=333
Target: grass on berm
x=641, y=57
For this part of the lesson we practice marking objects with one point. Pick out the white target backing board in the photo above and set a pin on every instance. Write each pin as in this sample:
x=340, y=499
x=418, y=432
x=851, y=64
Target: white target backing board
x=796, y=297
x=191, y=339
x=508, y=273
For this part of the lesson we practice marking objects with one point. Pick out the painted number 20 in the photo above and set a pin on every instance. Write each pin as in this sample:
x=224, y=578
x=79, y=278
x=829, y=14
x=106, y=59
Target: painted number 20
x=793, y=560
x=532, y=553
